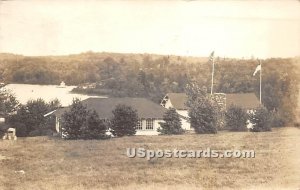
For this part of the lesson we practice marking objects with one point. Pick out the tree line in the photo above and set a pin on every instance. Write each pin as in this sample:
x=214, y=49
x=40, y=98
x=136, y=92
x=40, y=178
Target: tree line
x=152, y=76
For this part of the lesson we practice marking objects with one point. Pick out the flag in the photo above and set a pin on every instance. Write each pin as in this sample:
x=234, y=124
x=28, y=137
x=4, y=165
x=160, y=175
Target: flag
x=211, y=57
x=258, y=68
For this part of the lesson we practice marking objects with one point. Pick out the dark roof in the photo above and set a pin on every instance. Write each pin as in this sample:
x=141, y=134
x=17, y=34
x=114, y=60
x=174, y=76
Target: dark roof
x=243, y=100
x=105, y=106
x=178, y=100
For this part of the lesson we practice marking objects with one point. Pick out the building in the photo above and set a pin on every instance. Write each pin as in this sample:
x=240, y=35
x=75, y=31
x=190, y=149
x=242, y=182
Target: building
x=247, y=101
x=150, y=114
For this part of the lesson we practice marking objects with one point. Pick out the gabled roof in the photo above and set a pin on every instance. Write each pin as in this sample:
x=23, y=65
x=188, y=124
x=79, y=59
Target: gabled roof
x=105, y=106
x=178, y=100
x=243, y=100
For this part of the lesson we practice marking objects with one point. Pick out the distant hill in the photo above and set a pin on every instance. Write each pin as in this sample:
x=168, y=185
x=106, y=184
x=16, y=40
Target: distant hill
x=152, y=76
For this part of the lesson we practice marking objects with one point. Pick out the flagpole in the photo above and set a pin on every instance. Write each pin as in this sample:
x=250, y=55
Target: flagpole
x=260, y=81
x=212, y=75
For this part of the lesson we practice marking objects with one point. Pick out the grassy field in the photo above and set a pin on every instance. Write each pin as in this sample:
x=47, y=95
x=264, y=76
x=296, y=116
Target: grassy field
x=58, y=164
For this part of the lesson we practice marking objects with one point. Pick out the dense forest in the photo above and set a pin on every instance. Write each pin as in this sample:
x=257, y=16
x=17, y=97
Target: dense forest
x=152, y=76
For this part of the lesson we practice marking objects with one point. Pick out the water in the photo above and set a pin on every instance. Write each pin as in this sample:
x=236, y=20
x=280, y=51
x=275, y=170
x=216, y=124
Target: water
x=26, y=92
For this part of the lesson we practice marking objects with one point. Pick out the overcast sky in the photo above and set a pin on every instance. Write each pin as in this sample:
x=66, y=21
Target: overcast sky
x=231, y=28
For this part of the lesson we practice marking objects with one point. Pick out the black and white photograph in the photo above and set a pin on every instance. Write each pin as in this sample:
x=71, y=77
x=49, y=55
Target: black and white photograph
x=149, y=94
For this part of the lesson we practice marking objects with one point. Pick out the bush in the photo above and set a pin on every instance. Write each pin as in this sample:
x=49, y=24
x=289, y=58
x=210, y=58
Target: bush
x=29, y=119
x=96, y=127
x=261, y=120
x=124, y=121
x=203, y=110
x=203, y=116
x=171, y=124
x=21, y=130
x=236, y=119
x=41, y=132
x=74, y=121
x=2, y=129
x=277, y=120
x=80, y=123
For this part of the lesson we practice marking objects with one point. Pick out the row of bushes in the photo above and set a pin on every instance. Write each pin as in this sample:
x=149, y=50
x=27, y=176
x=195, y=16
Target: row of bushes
x=81, y=123
x=237, y=119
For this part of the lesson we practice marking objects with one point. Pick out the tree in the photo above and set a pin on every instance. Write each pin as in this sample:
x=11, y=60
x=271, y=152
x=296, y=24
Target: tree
x=261, y=120
x=96, y=127
x=81, y=123
x=202, y=110
x=171, y=124
x=124, y=121
x=236, y=118
x=74, y=122
x=8, y=103
x=29, y=118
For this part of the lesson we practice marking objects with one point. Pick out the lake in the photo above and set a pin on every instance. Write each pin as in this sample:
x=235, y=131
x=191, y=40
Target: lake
x=26, y=92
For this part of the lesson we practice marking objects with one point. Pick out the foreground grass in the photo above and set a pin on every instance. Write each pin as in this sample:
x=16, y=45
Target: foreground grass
x=58, y=164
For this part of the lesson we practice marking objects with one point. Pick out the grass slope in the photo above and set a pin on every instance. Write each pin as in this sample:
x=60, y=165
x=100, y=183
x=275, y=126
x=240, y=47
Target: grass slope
x=58, y=164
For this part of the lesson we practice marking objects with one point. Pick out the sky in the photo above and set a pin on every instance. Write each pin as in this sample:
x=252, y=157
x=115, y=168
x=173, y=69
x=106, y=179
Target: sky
x=238, y=29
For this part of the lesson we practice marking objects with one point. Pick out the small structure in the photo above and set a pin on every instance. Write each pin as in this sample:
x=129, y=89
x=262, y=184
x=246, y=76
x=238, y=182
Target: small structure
x=10, y=134
x=62, y=85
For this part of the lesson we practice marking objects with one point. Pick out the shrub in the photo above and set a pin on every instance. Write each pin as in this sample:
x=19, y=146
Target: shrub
x=74, y=122
x=236, y=118
x=80, y=123
x=261, y=120
x=29, y=119
x=277, y=120
x=124, y=121
x=96, y=127
x=21, y=130
x=203, y=116
x=2, y=129
x=203, y=110
x=171, y=124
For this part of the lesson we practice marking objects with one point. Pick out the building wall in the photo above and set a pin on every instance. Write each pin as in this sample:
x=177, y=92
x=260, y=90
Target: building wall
x=168, y=104
x=57, y=124
x=184, y=113
x=185, y=124
x=153, y=131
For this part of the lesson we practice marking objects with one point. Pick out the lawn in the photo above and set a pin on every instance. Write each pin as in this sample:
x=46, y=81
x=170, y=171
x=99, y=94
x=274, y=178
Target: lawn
x=50, y=163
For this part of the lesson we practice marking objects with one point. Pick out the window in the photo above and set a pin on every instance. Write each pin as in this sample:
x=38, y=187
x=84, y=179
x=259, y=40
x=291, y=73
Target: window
x=149, y=124
x=139, y=125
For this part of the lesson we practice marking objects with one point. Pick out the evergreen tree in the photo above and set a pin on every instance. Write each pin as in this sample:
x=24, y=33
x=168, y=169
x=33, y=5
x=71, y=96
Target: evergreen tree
x=236, y=119
x=171, y=124
x=124, y=121
x=8, y=103
x=261, y=120
x=96, y=127
x=74, y=122
x=202, y=110
x=29, y=119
